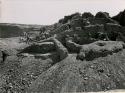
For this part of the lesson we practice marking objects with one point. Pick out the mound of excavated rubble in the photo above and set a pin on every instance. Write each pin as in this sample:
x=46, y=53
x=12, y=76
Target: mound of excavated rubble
x=71, y=75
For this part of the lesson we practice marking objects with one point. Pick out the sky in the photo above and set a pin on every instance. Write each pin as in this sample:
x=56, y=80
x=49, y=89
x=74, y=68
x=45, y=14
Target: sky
x=47, y=12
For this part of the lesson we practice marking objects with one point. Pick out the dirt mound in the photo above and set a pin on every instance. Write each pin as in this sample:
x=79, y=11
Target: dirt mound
x=72, y=75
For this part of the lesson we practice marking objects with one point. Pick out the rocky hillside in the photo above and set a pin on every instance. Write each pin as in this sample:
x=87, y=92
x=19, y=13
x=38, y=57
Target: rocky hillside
x=80, y=53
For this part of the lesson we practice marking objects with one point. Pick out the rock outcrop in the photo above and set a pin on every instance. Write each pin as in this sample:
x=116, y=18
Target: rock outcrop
x=68, y=18
x=113, y=27
x=47, y=47
x=120, y=18
x=93, y=30
x=72, y=46
x=87, y=15
x=99, y=49
x=102, y=15
x=40, y=48
x=60, y=29
x=112, y=30
x=61, y=50
x=77, y=23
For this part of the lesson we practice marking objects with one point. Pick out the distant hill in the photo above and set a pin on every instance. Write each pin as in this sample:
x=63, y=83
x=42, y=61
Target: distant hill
x=14, y=30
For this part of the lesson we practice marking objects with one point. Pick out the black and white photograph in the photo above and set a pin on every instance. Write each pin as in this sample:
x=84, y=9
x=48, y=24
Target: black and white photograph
x=62, y=46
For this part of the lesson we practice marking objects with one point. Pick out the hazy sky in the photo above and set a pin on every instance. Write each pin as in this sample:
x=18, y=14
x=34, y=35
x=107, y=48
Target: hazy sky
x=50, y=11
